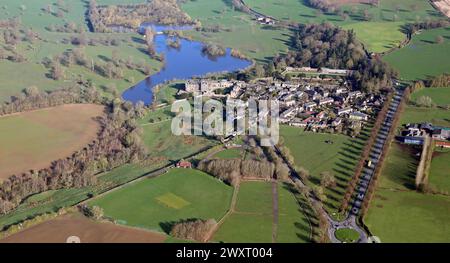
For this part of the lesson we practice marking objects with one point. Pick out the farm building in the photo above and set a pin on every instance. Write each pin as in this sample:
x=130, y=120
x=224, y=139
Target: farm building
x=359, y=116
x=411, y=140
x=184, y=164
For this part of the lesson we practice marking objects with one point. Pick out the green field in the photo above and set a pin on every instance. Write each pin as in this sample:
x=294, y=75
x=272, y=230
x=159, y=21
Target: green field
x=234, y=153
x=242, y=32
x=440, y=96
x=33, y=15
x=159, y=202
x=423, y=57
x=51, y=45
x=379, y=34
x=51, y=201
x=311, y=151
x=398, y=213
x=294, y=226
x=162, y=143
x=439, y=171
x=252, y=221
x=408, y=216
x=436, y=116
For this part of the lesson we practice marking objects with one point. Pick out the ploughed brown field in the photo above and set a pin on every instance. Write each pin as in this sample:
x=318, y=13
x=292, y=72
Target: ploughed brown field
x=32, y=140
x=444, y=6
x=58, y=230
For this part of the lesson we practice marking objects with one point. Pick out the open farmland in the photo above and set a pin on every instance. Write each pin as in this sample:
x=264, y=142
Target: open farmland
x=379, y=31
x=437, y=116
x=440, y=170
x=32, y=140
x=159, y=202
x=127, y=46
x=235, y=153
x=440, y=96
x=59, y=229
x=398, y=213
x=311, y=151
x=252, y=220
x=162, y=143
x=238, y=30
x=423, y=56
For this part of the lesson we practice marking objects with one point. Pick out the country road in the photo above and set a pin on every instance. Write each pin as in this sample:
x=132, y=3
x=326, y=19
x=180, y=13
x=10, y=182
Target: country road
x=364, y=182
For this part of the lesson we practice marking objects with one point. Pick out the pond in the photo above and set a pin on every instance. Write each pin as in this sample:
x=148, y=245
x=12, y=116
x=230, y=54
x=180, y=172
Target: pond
x=183, y=63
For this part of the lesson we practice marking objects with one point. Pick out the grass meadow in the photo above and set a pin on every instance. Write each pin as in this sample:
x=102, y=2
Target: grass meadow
x=51, y=201
x=256, y=41
x=440, y=170
x=235, y=153
x=399, y=213
x=50, y=44
x=159, y=202
x=440, y=96
x=379, y=34
x=423, y=57
x=253, y=218
x=311, y=151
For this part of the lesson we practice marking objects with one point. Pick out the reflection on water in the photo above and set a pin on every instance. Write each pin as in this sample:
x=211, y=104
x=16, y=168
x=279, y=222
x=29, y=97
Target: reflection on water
x=184, y=63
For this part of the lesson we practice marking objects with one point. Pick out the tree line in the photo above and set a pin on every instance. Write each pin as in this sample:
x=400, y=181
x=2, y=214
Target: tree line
x=331, y=6
x=231, y=171
x=412, y=28
x=117, y=143
x=194, y=229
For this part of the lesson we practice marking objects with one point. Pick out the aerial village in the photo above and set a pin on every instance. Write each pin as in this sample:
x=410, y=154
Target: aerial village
x=316, y=104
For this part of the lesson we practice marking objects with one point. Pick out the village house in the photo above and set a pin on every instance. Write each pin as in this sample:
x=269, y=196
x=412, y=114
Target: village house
x=342, y=111
x=336, y=122
x=359, y=116
x=354, y=94
x=441, y=134
x=205, y=86
x=287, y=115
x=340, y=90
x=309, y=106
x=325, y=101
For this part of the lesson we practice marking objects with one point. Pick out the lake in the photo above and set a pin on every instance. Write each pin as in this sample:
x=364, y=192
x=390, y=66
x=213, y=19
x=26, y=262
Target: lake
x=184, y=63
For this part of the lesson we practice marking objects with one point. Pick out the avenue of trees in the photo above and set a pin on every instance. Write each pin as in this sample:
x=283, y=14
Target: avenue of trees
x=165, y=12
x=325, y=45
x=117, y=143
x=353, y=183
